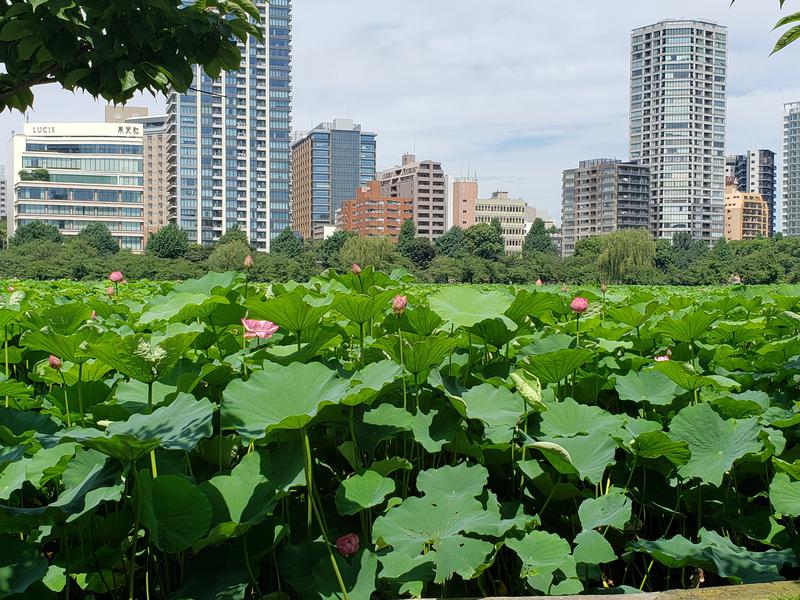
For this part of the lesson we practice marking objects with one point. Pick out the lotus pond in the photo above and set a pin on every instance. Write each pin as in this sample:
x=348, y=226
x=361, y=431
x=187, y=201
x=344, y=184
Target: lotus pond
x=472, y=441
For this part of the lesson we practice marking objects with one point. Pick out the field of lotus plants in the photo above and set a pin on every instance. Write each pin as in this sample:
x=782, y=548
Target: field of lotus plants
x=363, y=437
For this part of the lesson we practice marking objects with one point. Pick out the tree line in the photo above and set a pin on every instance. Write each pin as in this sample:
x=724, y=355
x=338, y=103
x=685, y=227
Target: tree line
x=473, y=255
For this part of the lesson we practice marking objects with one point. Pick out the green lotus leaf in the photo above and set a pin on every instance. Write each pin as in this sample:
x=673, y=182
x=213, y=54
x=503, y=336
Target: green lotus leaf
x=530, y=389
x=497, y=408
x=431, y=430
x=62, y=319
x=592, y=548
x=358, y=574
x=360, y=308
x=368, y=383
x=175, y=511
x=684, y=375
x=785, y=495
x=657, y=444
x=279, y=397
x=650, y=386
x=568, y=419
x=423, y=321
x=180, y=306
x=21, y=565
x=554, y=367
x=542, y=554
x=632, y=316
x=688, y=327
x=715, y=443
x=532, y=304
x=585, y=455
x=289, y=311
x=72, y=347
x=466, y=306
x=360, y=492
x=611, y=510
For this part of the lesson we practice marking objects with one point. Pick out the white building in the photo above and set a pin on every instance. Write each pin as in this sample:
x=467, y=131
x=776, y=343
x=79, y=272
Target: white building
x=514, y=214
x=73, y=174
x=791, y=169
x=677, y=123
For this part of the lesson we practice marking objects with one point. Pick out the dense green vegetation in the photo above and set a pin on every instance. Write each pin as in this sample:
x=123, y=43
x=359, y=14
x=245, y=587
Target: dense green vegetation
x=472, y=256
x=361, y=436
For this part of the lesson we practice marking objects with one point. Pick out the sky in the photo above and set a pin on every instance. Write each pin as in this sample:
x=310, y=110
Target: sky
x=513, y=90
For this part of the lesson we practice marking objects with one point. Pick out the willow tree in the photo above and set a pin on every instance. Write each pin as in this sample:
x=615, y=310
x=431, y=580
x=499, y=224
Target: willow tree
x=625, y=250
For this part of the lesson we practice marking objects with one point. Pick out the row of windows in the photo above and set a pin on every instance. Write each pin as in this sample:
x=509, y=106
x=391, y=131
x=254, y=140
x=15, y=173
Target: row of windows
x=79, y=195
x=102, y=211
x=114, y=165
x=84, y=148
x=70, y=225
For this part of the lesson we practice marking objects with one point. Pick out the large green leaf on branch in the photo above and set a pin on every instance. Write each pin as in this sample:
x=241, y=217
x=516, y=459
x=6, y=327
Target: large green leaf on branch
x=715, y=443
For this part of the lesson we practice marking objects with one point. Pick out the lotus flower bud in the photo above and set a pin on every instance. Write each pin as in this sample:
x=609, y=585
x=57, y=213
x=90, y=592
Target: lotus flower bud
x=110, y=290
x=348, y=544
x=579, y=305
x=248, y=262
x=116, y=276
x=539, y=283
x=355, y=269
x=399, y=304
x=55, y=362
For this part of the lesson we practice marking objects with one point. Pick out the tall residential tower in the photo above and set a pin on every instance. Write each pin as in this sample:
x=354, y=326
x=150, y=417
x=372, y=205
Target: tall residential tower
x=677, y=124
x=229, y=141
x=754, y=173
x=791, y=169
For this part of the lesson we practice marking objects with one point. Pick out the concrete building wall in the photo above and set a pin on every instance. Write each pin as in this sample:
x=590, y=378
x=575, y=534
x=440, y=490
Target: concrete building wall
x=746, y=215
x=156, y=172
x=791, y=169
x=427, y=185
x=755, y=172
x=372, y=214
x=511, y=212
x=3, y=193
x=677, y=123
x=465, y=199
x=121, y=113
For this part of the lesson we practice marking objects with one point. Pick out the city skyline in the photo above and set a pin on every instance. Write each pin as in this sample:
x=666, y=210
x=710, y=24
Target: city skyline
x=532, y=103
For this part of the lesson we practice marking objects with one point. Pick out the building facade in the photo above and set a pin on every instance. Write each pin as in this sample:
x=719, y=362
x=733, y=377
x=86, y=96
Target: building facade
x=465, y=199
x=602, y=196
x=156, y=172
x=747, y=214
x=428, y=187
x=229, y=141
x=791, y=169
x=514, y=215
x=372, y=214
x=3, y=193
x=677, y=124
x=755, y=172
x=329, y=163
x=73, y=174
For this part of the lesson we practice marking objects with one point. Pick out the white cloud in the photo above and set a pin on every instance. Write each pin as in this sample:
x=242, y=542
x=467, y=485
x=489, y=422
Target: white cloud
x=517, y=89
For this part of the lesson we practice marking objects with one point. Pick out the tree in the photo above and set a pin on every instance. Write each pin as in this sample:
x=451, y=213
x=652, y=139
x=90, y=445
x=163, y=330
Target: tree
x=538, y=240
x=329, y=249
x=99, y=237
x=36, y=231
x=168, y=242
x=452, y=243
x=287, y=244
x=375, y=252
x=483, y=241
x=406, y=238
x=232, y=235
x=228, y=257
x=34, y=175
x=625, y=250
x=420, y=251
x=790, y=35
x=115, y=49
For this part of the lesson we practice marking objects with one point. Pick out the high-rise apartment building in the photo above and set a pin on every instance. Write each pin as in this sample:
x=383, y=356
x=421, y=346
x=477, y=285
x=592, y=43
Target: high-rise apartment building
x=73, y=174
x=755, y=172
x=514, y=215
x=372, y=214
x=3, y=193
x=677, y=124
x=465, y=198
x=427, y=185
x=329, y=163
x=791, y=169
x=746, y=214
x=156, y=172
x=229, y=141
x=602, y=196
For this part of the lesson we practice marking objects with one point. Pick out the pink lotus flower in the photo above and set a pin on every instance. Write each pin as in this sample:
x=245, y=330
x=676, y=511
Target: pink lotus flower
x=579, y=305
x=662, y=358
x=355, y=269
x=55, y=362
x=539, y=283
x=94, y=315
x=260, y=329
x=399, y=304
x=348, y=544
x=11, y=288
x=110, y=290
x=248, y=262
x=116, y=276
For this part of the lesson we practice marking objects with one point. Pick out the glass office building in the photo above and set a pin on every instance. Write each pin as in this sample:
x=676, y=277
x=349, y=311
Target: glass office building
x=329, y=164
x=677, y=124
x=228, y=142
x=72, y=174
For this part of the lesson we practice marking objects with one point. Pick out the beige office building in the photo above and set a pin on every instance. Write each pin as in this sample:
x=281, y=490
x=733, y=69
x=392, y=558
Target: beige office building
x=747, y=214
x=427, y=185
x=465, y=199
x=514, y=215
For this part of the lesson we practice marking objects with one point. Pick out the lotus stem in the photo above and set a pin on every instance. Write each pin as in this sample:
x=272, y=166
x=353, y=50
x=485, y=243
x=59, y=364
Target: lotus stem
x=135, y=533
x=80, y=394
x=66, y=399
x=153, y=466
x=5, y=351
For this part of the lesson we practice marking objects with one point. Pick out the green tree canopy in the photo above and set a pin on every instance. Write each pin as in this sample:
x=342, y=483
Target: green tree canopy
x=538, y=240
x=484, y=241
x=626, y=250
x=375, y=252
x=287, y=244
x=328, y=249
x=232, y=235
x=228, y=257
x=99, y=237
x=452, y=243
x=36, y=231
x=406, y=238
x=168, y=242
x=115, y=49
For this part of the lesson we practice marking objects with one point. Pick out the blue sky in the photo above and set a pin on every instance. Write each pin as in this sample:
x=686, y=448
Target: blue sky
x=517, y=90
